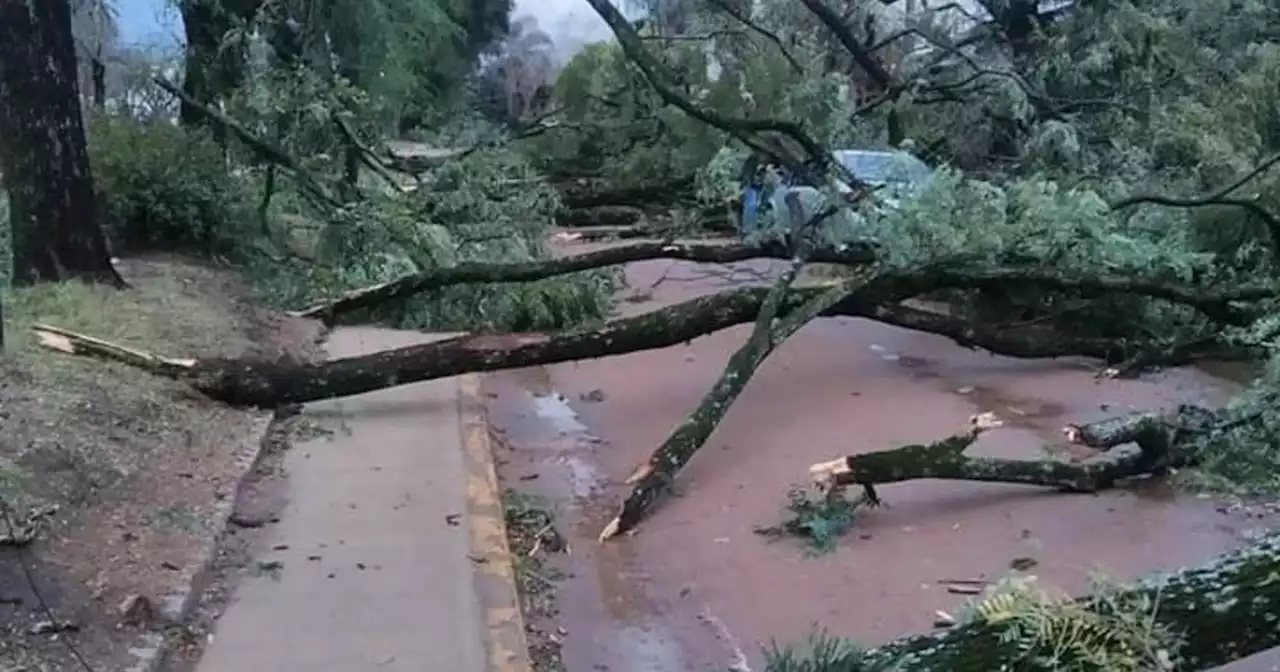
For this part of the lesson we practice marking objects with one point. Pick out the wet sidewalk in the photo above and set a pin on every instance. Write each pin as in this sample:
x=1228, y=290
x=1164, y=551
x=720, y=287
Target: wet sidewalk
x=376, y=547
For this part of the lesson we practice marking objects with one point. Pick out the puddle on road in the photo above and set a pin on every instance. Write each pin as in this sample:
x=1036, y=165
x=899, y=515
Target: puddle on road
x=865, y=385
x=554, y=408
x=603, y=607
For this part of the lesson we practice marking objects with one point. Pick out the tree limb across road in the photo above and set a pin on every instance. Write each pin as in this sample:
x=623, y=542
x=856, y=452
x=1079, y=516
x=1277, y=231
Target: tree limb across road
x=271, y=384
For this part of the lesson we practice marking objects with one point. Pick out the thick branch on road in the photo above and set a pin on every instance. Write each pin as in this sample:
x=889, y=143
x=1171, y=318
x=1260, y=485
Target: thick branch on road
x=539, y=270
x=270, y=384
x=1225, y=610
x=1162, y=438
x=1214, y=303
x=654, y=477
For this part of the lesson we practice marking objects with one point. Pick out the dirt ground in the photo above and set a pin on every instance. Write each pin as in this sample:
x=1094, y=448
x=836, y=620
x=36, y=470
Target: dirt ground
x=118, y=472
x=697, y=589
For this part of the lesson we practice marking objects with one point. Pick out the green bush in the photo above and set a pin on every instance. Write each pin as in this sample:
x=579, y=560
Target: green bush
x=163, y=188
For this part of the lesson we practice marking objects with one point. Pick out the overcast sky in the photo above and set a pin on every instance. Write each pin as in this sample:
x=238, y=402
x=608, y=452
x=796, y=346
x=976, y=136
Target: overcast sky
x=571, y=23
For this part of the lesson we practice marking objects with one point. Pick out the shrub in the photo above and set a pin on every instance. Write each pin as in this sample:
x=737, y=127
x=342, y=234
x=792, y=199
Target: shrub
x=164, y=188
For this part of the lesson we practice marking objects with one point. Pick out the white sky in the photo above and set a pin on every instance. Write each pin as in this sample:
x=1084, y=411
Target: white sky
x=570, y=23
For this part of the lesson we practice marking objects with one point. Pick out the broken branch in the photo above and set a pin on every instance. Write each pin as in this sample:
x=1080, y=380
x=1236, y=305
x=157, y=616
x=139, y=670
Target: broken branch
x=1221, y=609
x=653, y=478
x=538, y=270
x=270, y=384
x=1214, y=303
x=1162, y=439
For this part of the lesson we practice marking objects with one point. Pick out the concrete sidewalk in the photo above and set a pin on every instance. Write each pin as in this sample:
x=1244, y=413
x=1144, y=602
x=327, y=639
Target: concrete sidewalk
x=393, y=550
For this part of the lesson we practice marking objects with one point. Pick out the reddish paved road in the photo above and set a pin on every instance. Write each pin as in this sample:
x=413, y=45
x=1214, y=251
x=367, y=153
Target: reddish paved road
x=695, y=587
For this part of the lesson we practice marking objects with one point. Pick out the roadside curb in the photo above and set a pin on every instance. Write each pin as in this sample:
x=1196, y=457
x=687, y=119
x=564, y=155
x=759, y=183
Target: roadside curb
x=152, y=649
x=507, y=648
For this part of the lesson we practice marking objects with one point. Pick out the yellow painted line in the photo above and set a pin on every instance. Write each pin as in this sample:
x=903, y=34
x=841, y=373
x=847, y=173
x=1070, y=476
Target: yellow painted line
x=507, y=645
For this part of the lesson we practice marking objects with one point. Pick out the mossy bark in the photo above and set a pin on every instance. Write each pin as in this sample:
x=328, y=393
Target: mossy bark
x=268, y=384
x=653, y=478
x=1163, y=440
x=1225, y=610
x=538, y=270
x=1215, y=303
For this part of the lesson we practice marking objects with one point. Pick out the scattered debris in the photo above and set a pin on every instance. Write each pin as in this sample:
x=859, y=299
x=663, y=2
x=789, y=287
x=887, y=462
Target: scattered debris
x=271, y=568
x=1023, y=564
x=52, y=627
x=136, y=610
x=530, y=532
x=819, y=516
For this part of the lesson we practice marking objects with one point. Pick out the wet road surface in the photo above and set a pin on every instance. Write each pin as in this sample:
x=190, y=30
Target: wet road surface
x=696, y=589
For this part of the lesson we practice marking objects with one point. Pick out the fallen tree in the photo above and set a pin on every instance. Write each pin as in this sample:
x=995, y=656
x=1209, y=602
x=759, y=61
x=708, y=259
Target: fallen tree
x=270, y=384
x=1163, y=440
x=652, y=479
x=1214, y=614
x=1215, y=303
x=436, y=278
x=1221, y=611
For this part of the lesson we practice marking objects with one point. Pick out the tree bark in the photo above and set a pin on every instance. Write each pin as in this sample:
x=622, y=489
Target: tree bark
x=1214, y=303
x=1161, y=437
x=56, y=234
x=540, y=270
x=1225, y=609
x=211, y=69
x=269, y=384
x=654, y=477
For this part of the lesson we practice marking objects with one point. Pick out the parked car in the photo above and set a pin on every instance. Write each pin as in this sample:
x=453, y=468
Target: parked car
x=893, y=174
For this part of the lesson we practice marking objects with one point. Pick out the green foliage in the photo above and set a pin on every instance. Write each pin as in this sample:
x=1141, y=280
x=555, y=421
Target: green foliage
x=820, y=518
x=821, y=653
x=1113, y=630
x=617, y=129
x=1244, y=455
x=489, y=207
x=163, y=188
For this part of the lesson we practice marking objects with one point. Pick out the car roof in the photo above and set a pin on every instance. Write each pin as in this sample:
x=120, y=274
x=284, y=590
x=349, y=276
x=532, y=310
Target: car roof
x=883, y=167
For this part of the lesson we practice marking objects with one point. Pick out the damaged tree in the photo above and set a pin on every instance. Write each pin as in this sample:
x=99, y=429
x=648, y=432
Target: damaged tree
x=1221, y=611
x=1165, y=441
x=270, y=384
x=1213, y=614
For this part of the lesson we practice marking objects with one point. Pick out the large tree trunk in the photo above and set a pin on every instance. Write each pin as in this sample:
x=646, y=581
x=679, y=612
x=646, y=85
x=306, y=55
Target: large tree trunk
x=56, y=235
x=1225, y=610
x=653, y=477
x=270, y=384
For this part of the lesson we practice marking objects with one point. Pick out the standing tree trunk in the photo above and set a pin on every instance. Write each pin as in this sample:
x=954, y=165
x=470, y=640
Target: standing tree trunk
x=212, y=69
x=45, y=161
x=98, y=75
